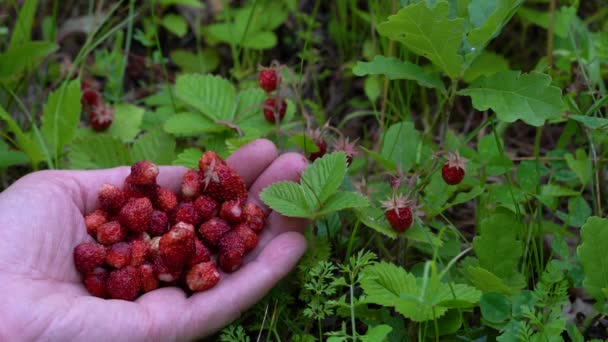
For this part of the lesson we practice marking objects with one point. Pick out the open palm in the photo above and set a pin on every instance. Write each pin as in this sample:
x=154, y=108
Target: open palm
x=41, y=294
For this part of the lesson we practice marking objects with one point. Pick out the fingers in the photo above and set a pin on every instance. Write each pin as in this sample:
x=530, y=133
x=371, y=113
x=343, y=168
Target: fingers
x=211, y=310
x=252, y=159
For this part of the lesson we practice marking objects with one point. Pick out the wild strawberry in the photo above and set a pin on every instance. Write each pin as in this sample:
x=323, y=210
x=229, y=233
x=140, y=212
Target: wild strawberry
x=206, y=206
x=94, y=220
x=398, y=213
x=88, y=256
x=186, y=212
x=191, y=184
x=153, y=246
x=144, y=173
x=231, y=251
x=139, y=252
x=124, y=283
x=101, y=117
x=212, y=231
x=222, y=183
x=454, y=169
x=176, y=247
x=110, y=233
x=268, y=79
x=111, y=198
x=91, y=98
x=250, y=238
x=254, y=217
x=136, y=214
x=232, y=211
x=132, y=190
x=148, y=279
x=95, y=282
x=164, y=273
x=274, y=110
x=159, y=223
x=317, y=137
x=349, y=148
x=119, y=255
x=202, y=276
x=201, y=253
x=166, y=200
x=208, y=158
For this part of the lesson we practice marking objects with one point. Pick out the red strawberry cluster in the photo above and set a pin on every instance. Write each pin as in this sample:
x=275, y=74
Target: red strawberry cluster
x=100, y=115
x=148, y=237
x=274, y=106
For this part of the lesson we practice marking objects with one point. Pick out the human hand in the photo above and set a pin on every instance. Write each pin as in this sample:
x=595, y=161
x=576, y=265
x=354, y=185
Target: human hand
x=42, y=296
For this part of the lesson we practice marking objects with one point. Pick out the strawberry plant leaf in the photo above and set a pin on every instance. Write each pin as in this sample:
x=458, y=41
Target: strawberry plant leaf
x=325, y=175
x=98, y=151
x=61, y=115
x=286, y=198
x=400, y=144
x=127, y=122
x=175, y=24
x=497, y=247
x=515, y=96
x=213, y=96
x=190, y=125
x=430, y=33
x=156, y=146
x=249, y=103
x=486, y=64
x=188, y=158
x=202, y=62
x=593, y=258
x=342, y=200
x=396, y=69
x=304, y=142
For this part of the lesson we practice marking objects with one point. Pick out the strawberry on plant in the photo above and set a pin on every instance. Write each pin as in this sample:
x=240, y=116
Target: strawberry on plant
x=101, y=117
x=317, y=136
x=349, y=148
x=274, y=109
x=453, y=170
x=398, y=212
x=268, y=79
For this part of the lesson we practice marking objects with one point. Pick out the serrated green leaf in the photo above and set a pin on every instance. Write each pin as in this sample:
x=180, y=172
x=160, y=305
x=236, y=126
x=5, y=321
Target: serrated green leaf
x=127, y=122
x=249, y=103
x=430, y=33
x=156, y=146
x=342, y=200
x=188, y=158
x=396, y=69
x=175, y=24
x=515, y=96
x=593, y=257
x=286, y=198
x=486, y=64
x=325, y=175
x=61, y=115
x=190, y=125
x=495, y=307
x=98, y=151
x=205, y=61
x=497, y=247
x=212, y=95
x=400, y=144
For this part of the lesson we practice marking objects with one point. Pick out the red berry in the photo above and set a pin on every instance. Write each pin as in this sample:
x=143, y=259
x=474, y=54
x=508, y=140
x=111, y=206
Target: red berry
x=206, y=206
x=268, y=79
x=132, y=190
x=139, y=252
x=164, y=273
x=231, y=251
x=202, y=276
x=212, y=231
x=398, y=213
x=136, y=214
x=191, y=184
x=95, y=282
x=349, y=148
x=271, y=109
x=322, y=145
x=144, y=173
x=201, y=253
x=119, y=255
x=232, y=211
x=454, y=169
x=187, y=212
x=91, y=98
x=110, y=233
x=223, y=183
x=166, y=200
x=88, y=256
x=101, y=117
x=254, y=217
x=250, y=238
x=111, y=198
x=176, y=247
x=124, y=283
x=209, y=158
x=159, y=223
x=148, y=279
x=94, y=220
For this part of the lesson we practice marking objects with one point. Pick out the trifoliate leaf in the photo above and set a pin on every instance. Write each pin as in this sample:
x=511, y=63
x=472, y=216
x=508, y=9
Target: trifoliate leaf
x=342, y=200
x=188, y=158
x=593, y=257
x=190, y=125
x=214, y=96
x=515, y=96
x=98, y=151
x=286, y=198
x=156, y=146
x=127, y=122
x=325, y=175
x=396, y=69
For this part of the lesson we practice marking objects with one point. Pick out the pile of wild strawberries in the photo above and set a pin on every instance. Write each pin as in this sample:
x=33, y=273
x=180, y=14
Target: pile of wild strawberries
x=148, y=237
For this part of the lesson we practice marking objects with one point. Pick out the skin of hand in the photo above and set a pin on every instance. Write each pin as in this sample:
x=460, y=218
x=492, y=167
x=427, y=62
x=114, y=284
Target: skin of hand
x=41, y=293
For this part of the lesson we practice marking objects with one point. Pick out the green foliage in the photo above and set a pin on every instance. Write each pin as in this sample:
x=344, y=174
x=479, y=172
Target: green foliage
x=395, y=69
x=594, y=236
